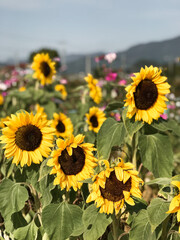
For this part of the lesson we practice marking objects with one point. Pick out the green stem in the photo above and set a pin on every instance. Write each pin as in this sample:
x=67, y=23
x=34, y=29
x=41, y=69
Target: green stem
x=115, y=227
x=134, y=150
x=165, y=228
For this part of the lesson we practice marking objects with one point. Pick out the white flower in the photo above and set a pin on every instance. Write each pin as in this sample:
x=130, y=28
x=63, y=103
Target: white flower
x=110, y=57
x=3, y=86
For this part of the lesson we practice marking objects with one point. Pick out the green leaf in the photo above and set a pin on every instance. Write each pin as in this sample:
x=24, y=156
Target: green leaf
x=12, y=197
x=141, y=228
x=176, y=178
x=113, y=106
x=131, y=125
x=159, y=181
x=110, y=134
x=49, y=109
x=169, y=125
x=44, y=170
x=174, y=236
x=76, y=213
x=95, y=223
x=16, y=221
x=156, y=154
x=59, y=220
x=90, y=137
x=157, y=212
x=28, y=232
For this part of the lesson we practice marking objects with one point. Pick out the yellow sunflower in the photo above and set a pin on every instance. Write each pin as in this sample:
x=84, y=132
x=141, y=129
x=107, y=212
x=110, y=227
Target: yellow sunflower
x=2, y=120
x=40, y=110
x=61, y=88
x=22, y=89
x=95, y=91
x=113, y=186
x=44, y=68
x=146, y=95
x=90, y=80
x=1, y=100
x=95, y=118
x=175, y=203
x=62, y=124
x=73, y=162
x=27, y=138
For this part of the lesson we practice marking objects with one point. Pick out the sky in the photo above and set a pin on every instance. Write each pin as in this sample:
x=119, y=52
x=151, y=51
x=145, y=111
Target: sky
x=84, y=26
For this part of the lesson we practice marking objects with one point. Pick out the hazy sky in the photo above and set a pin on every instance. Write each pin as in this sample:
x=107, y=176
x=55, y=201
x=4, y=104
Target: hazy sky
x=84, y=26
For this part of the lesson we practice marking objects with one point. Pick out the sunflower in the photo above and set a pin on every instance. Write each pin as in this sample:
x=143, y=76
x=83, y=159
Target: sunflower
x=62, y=124
x=22, y=89
x=90, y=80
x=1, y=99
x=73, y=162
x=175, y=203
x=95, y=118
x=44, y=68
x=27, y=138
x=95, y=91
x=61, y=88
x=114, y=186
x=2, y=120
x=40, y=110
x=146, y=95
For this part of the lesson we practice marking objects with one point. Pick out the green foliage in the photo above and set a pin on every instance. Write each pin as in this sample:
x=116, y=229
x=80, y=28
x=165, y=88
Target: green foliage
x=28, y=232
x=59, y=220
x=156, y=154
x=95, y=223
x=12, y=197
x=111, y=134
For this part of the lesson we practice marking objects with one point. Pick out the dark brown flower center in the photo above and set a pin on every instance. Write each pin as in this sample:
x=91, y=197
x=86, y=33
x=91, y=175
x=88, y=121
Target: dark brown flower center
x=114, y=188
x=146, y=94
x=60, y=127
x=94, y=121
x=45, y=69
x=28, y=137
x=72, y=165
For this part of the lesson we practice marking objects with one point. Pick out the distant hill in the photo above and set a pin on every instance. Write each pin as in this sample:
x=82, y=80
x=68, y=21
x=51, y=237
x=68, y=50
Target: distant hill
x=160, y=52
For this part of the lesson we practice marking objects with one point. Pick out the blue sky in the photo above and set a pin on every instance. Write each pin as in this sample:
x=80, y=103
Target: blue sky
x=84, y=26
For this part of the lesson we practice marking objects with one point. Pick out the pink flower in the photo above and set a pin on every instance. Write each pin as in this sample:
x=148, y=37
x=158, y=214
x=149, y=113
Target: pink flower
x=56, y=59
x=4, y=94
x=117, y=116
x=131, y=75
x=98, y=58
x=111, y=77
x=110, y=57
x=122, y=82
x=103, y=108
x=101, y=83
x=164, y=116
x=63, y=81
x=171, y=106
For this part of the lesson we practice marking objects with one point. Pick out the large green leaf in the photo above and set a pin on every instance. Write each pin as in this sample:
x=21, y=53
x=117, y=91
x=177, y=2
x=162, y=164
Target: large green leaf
x=12, y=197
x=28, y=232
x=141, y=228
x=113, y=106
x=16, y=221
x=111, y=134
x=156, y=154
x=157, y=212
x=169, y=125
x=131, y=125
x=159, y=181
x=95, y=223
x=59, y=220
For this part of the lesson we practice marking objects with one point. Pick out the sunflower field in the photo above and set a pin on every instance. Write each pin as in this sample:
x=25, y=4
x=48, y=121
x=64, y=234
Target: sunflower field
x=94, y=158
